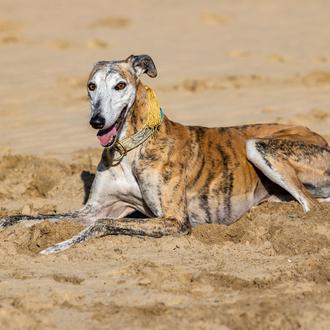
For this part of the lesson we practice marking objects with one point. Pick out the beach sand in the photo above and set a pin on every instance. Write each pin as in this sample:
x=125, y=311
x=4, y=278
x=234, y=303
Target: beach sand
x=219, y=63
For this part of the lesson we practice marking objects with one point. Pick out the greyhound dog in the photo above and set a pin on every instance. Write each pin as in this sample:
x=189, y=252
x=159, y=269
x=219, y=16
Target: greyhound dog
x=180, y=176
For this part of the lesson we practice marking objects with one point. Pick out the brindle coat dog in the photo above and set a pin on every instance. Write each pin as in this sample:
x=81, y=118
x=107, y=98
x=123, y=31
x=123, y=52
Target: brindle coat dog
x=185, y=175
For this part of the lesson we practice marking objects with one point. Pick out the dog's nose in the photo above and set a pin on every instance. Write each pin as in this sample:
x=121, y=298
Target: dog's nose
x=97, y=121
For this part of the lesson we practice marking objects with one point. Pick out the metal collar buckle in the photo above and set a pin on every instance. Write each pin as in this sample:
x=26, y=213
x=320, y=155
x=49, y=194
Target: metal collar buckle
x=118, y=147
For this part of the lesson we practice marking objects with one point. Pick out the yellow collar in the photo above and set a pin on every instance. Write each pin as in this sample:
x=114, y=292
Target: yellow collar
x=155, y=113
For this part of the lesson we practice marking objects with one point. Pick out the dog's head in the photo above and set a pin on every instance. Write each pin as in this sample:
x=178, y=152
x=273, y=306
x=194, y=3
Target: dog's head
x=112, y=87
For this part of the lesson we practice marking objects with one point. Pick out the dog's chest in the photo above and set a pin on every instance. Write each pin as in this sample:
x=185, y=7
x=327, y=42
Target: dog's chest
x=123, y=184
x=116, y=193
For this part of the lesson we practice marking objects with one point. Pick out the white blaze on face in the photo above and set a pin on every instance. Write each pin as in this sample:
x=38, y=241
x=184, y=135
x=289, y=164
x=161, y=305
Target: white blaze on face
x=106, y=100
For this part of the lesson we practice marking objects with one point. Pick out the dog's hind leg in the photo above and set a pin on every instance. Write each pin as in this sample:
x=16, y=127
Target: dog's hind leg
x=302, y=169
x=152, y=227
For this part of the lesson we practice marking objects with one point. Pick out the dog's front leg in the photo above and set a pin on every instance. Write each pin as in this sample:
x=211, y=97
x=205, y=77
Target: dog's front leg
x=93, y=210
x=152, y=227
x=86, y=215
x=14, y=219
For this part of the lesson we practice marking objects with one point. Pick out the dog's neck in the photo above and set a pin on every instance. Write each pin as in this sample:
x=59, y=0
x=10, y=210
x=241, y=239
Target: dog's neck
x=138, y=114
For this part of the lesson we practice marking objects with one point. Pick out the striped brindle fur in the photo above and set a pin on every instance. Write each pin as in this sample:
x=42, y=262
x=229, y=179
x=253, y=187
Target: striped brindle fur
x=186, y=175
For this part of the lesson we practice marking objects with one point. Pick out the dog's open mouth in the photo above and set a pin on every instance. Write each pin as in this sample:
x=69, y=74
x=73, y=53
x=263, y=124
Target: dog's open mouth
x=108, y=136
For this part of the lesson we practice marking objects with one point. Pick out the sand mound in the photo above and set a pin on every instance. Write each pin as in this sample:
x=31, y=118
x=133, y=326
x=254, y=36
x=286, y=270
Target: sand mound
x=40, y=185
x=33, y=239
x=275, y=224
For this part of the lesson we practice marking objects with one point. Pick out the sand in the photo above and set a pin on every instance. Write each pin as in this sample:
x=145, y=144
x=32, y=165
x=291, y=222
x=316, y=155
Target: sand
x=219, y=63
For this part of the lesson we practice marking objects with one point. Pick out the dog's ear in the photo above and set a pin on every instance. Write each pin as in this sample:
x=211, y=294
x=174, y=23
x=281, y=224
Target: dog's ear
x=143, y=64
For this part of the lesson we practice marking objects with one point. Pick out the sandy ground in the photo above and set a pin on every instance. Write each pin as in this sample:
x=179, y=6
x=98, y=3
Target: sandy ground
x=220, y=63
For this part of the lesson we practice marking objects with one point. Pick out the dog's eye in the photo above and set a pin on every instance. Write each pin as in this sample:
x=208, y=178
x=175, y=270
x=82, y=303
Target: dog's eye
x=91, y=86
x=120, y=86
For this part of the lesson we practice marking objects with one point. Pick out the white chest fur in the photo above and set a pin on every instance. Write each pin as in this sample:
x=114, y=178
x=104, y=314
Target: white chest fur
x=115, y=192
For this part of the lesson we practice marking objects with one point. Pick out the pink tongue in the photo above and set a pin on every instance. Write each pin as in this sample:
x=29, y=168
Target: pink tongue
x=106, y=135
